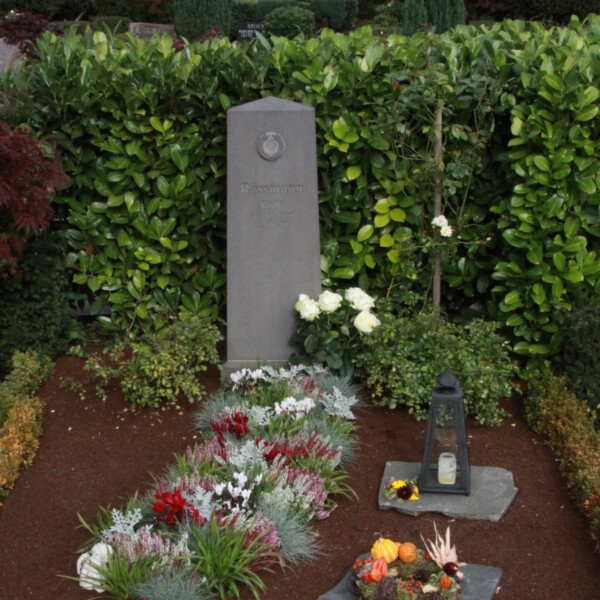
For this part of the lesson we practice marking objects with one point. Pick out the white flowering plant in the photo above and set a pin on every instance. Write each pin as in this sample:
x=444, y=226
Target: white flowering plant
x=332, y=327
x=269, y=460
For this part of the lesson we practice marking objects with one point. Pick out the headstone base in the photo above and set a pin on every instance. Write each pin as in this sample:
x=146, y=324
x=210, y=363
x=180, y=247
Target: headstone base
x=492, y=492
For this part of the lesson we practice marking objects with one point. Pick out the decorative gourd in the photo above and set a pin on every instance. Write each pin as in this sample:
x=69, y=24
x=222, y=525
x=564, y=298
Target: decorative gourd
x=378, y=570
x=407, y=552
x=386, y=549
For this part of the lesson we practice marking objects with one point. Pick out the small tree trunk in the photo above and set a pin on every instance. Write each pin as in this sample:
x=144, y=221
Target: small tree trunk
x=437, y=204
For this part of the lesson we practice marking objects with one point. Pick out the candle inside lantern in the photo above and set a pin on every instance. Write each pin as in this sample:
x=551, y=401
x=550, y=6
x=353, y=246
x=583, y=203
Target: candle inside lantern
x=447, y=468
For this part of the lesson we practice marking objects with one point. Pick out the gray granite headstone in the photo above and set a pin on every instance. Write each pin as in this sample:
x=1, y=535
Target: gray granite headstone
x=10, y=55
x=147, y=30
x=480, y=583
x=492, y=492
x=273, y=247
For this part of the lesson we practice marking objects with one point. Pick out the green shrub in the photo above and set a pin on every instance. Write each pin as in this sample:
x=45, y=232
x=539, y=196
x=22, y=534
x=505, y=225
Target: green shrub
x=554, y=412
x=58, y=9
x=115, y=24
x=445, y=14
x=264, y=7
x=194, y=18
x=340, y=14
x=33, y=308
x=560, y=11
x=28, y=371
x=135, y=11
x=159, y=11
x=145, y=220
x=20, y=416
x=366, y=8
x=579, y=356
x=290, y=21
x=163, y=367
x=413, y=16
x=403, y=357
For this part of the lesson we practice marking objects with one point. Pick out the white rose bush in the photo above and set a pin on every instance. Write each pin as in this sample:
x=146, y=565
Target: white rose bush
x=331, y=328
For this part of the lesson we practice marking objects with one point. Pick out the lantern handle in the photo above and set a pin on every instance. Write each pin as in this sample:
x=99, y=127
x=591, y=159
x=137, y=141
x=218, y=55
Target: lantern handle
x=447, y=380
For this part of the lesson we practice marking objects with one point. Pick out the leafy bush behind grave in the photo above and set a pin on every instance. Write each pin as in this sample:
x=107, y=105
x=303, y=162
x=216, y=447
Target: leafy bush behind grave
x=403, y=357
x=34, y=313
x=146, y=214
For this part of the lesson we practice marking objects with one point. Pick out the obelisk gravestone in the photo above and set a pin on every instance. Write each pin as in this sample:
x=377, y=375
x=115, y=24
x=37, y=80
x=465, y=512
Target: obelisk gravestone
x=273, y=250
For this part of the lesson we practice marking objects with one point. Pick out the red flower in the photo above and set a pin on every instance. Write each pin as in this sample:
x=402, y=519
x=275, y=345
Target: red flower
x=176, y=505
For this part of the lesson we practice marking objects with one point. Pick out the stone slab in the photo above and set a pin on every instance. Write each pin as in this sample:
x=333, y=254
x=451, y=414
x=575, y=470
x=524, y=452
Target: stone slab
x=147, y=30
x=273, y=242
x=492, y=492
x=480, y=583
x=10, y=55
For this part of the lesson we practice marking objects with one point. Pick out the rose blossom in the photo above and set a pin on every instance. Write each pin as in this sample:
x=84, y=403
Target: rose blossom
x=365, y=321
x=440, y=221
x=359, y=299
x=329, y=301
x=309, y=310
x=446, y=231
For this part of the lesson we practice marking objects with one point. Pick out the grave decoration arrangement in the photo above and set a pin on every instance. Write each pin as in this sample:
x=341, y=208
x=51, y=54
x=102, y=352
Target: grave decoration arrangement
x=401, y=571
x=271, y=453
x=402, y=490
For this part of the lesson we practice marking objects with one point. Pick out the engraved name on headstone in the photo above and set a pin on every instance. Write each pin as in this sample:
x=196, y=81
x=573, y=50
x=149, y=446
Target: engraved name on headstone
x=247, y=30
x=273, y=249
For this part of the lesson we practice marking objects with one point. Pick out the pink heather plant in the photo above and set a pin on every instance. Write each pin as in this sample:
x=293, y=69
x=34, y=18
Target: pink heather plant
x=257, y=526
x=145, y=543
x=311, y=487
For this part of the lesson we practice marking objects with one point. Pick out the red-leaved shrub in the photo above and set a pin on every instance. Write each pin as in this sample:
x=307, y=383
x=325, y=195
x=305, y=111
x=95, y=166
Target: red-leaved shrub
x=27, y=179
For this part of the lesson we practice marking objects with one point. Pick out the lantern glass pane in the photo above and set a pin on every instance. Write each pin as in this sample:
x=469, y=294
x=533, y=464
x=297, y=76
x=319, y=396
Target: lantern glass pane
x=445, y=445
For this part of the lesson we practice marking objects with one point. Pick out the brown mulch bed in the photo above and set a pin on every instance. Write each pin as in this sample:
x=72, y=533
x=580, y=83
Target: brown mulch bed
x=96, y=453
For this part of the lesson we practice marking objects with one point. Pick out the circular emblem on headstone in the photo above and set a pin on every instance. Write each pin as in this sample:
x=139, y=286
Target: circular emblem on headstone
x=271, y=145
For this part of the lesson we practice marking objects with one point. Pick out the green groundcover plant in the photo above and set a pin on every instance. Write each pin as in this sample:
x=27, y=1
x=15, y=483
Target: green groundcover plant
x=163, y=367
x=403, y=357
x=270, y=456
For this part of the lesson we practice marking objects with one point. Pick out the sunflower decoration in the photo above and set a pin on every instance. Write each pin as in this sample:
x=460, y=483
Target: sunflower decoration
x=402, y=490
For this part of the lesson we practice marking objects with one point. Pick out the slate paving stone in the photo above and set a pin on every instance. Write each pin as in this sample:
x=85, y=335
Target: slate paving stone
x=492, y=492
x=9, y=55
x=480, y=583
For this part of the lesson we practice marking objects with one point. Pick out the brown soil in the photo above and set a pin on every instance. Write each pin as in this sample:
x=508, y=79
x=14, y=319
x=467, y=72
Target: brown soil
x=94, y=453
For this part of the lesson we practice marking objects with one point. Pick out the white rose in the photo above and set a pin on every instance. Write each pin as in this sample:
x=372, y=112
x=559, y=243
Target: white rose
x=359, y=299
x=329, y=301
x=446, y=231
x=365, y=321
x=302, y=298
x=440, y=221
x=352, y=293
x=309, y=310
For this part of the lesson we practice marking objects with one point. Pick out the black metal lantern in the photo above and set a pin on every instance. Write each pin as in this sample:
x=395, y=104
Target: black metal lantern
x=445, y=467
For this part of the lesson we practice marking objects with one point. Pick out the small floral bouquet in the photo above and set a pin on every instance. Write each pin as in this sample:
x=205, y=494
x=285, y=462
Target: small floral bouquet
x=330, y=328
x=402, y=490
x=401, y=571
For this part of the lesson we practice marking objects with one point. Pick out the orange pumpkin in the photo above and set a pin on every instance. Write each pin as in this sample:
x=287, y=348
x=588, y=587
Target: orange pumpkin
x=378, y=570
x=407, y=552
x=386, y=549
